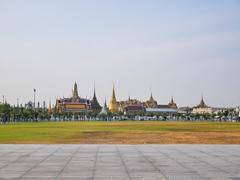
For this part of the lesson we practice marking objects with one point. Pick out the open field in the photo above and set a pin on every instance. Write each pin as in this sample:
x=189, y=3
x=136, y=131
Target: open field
x=129, y=132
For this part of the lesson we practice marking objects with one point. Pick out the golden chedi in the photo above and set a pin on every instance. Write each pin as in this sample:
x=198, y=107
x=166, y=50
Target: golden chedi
x=113, y=104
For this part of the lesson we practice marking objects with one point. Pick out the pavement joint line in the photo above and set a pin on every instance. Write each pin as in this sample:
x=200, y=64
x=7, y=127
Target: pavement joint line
x=211, y=164
x=8, y=153
x=123, y=162
x=236, y=155
x=4, y=154
x=198, y=159
x=71, y=157
x=219, y=157
x=35, y=165
x=181, y=164
x=95, y=162
x=21, y=157
x=151, y=162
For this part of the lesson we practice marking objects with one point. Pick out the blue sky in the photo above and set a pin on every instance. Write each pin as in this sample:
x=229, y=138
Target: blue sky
x=172, y=48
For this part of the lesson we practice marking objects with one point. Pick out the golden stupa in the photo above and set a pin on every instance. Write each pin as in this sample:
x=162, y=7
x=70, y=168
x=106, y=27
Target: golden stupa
x=113, y=104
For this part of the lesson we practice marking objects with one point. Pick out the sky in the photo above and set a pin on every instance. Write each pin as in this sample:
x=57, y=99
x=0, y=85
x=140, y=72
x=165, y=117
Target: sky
x=183, y=49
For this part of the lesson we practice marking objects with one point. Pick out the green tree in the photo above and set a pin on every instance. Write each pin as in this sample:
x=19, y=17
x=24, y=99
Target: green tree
x=5, y=110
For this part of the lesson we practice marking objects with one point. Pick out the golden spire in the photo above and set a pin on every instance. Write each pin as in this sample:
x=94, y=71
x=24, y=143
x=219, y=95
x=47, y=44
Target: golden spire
x=113, y=105
x=113, y=95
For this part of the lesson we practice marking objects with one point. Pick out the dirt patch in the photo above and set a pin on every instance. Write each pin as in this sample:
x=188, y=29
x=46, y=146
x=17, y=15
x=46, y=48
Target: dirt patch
x=108, y=137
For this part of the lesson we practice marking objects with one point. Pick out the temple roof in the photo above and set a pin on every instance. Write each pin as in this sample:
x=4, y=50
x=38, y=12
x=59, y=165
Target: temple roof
x=172, y=103
x=134, y=108
x=163, y=106
x=94, y=103
x=151, y=102
x=202, y=104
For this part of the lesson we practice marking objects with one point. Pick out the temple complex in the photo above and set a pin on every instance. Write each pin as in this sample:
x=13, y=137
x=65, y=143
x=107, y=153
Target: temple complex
x=76, y=104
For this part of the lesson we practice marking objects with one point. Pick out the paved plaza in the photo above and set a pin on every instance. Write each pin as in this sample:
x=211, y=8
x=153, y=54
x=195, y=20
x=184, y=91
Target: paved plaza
x=119, y=162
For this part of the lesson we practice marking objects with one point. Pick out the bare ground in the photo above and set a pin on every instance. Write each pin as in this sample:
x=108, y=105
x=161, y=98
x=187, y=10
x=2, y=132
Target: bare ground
x=106, y=137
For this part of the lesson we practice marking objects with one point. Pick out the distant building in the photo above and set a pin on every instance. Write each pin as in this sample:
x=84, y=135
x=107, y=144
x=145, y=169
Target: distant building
x=29, y=105
x=161, y=110
x=131, y=106
x=153, y=107
x=184, y=110
x=74, y=103
x=202, y=108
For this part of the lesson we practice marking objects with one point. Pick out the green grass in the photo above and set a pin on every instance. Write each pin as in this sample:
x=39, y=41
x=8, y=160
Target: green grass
x=64, y=132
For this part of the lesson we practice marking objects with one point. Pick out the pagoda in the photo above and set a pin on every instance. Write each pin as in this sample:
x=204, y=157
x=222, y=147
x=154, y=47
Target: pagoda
x=95, y=106
x=113, y=104
x=104, y=108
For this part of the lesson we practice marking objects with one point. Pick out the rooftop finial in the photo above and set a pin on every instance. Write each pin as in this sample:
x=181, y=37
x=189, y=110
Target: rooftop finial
x=113, y=94
x=151, y=97
x=94, y=93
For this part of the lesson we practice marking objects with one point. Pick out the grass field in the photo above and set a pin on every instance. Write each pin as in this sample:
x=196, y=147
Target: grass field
x=129, y=132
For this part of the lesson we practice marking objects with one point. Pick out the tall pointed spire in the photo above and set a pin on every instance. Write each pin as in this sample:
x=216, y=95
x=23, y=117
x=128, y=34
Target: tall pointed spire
x=151, y=97
x=202, y=103
x=94, y=94
x=75, y=91
x=113, y=105
x=94, y=103
x=105, y=103
x=104, y=108
x=113, y=95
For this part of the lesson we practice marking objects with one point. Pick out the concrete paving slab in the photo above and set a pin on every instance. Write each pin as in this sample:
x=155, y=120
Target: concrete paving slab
x=119, y=162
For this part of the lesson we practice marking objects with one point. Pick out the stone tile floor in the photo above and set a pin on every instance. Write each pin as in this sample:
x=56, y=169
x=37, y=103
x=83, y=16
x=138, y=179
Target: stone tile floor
x=119, y=162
